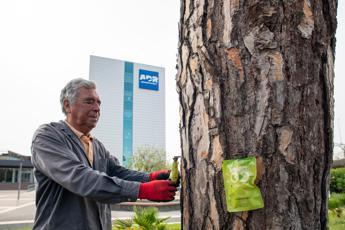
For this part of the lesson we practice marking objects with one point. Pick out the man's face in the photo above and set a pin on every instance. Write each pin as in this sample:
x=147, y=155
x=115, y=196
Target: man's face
x=84, y=113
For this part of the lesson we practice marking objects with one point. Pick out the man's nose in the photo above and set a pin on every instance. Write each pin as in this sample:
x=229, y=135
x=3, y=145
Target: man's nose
x=96, y=107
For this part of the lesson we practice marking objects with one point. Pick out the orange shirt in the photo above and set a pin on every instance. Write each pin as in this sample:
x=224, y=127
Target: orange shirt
x=86, y=140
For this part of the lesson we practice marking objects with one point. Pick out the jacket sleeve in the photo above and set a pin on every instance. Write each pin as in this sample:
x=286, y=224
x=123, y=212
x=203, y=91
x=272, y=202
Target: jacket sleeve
x=114, y=169
x=52, y=157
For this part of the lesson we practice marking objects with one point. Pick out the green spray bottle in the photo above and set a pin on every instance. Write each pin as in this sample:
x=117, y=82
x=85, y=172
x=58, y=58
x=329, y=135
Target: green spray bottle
x=174, y=170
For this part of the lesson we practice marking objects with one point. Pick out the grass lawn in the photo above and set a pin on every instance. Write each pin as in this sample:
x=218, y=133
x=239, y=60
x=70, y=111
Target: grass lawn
x=173, y=226
x=336, y=221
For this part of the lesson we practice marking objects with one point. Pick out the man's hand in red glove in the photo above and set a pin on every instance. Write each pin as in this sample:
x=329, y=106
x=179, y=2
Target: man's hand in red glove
x=160, y=175
x=157, y=190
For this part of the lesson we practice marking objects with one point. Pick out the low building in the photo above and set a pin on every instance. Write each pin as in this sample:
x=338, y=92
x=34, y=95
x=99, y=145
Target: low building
x=14, y=169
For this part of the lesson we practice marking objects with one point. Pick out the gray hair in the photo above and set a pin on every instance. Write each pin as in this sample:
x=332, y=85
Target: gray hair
x=70, y=91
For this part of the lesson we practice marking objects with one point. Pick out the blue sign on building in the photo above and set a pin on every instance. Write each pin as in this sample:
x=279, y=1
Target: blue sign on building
x=148, y=79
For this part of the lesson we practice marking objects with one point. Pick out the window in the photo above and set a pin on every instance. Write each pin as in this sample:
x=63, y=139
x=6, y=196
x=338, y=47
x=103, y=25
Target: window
x=10, y=175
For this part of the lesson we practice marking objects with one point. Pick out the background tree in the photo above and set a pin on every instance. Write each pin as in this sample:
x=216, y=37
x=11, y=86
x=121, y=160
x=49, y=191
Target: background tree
x=255, y=78
x=148, y=159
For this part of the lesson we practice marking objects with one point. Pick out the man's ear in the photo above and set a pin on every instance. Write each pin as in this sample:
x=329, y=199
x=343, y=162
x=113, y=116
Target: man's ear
x=67, y=106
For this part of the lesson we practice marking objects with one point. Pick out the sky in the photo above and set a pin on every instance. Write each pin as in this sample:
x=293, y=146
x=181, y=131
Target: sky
x=46, y=43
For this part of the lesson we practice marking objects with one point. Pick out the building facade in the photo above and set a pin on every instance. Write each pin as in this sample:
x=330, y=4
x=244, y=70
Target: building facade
x=15, y=170
x=133, y=105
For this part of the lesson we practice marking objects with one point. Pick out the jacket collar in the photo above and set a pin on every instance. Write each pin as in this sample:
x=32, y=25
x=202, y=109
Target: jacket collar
x=65, y=129
x=69, y=133
x=61, y=125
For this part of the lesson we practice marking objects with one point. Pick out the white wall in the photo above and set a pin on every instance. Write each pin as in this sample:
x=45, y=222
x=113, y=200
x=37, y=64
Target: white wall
x=148, y=106
x=108, y=75
x=148, y=111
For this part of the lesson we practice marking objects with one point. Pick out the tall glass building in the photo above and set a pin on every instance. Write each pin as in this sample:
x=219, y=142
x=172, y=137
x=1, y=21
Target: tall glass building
x=133, y=105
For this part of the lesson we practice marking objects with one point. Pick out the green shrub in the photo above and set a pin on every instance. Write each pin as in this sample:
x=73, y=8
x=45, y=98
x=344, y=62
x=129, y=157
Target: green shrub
x=122, y=224
x=144, y=219
x=333, y=203
x=338, y=180
x=147, y=219
x=336, y=200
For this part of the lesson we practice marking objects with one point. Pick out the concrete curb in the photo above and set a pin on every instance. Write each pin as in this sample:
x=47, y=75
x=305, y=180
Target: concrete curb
x=161, y=206
x=8, y=225
x=172, y=219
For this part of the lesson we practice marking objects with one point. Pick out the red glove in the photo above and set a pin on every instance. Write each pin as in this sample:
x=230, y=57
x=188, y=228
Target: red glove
x=160, y=175
x=157, y=190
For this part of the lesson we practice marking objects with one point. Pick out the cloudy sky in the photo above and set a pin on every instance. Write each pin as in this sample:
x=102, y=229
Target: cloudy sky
x=46, y=43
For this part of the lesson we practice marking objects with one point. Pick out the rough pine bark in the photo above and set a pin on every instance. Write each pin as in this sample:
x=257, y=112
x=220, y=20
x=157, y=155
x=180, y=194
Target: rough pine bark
x=255, y=78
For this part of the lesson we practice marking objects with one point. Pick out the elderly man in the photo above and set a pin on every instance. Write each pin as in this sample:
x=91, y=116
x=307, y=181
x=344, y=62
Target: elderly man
x=77, y=177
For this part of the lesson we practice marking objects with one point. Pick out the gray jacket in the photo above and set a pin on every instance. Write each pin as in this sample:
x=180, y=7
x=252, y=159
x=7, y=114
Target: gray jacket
x=70, y=194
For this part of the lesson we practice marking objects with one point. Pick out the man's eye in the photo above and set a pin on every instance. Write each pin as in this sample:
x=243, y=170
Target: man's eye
x=88, y=101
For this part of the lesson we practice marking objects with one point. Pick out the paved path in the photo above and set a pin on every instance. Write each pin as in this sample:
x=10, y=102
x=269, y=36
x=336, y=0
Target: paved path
x=13, y=210
x=22, y=212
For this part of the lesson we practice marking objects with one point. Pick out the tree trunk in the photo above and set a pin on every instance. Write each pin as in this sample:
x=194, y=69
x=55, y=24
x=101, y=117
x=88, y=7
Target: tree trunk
x=255, y=78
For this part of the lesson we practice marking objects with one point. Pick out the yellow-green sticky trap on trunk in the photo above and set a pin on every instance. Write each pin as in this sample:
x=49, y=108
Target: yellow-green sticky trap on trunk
x=241, y=192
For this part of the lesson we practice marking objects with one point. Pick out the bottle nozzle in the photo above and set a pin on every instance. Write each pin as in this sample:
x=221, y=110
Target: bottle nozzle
x=175, y=158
